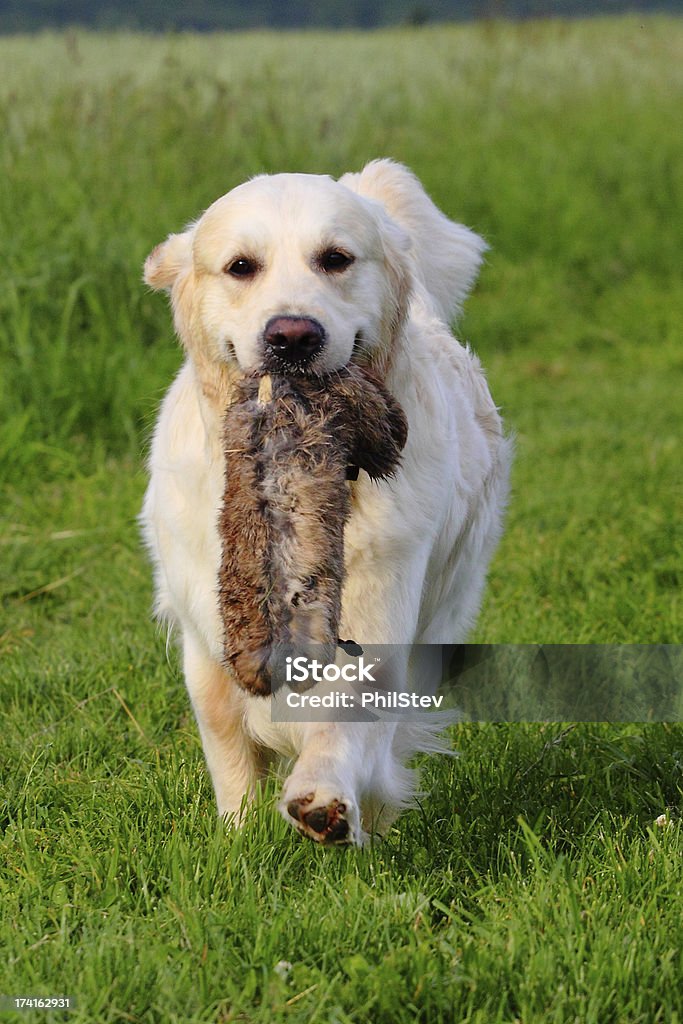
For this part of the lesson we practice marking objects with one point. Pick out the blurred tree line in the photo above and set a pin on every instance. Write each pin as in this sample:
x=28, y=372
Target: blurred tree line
x=208, y=15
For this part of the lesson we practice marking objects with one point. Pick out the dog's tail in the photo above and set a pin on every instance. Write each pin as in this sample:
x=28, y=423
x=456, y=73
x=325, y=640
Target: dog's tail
x=447, y=256
x=427, y=735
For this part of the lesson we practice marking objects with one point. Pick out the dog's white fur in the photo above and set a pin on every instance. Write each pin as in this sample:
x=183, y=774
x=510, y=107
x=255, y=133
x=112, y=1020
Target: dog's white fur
x=418, y=545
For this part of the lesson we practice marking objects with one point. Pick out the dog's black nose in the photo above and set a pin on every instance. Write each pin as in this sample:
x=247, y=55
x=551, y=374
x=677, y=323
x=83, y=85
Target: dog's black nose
x=293, y=339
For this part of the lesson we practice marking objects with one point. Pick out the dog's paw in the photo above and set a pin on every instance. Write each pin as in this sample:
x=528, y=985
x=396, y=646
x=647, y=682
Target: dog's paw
x=324, y=818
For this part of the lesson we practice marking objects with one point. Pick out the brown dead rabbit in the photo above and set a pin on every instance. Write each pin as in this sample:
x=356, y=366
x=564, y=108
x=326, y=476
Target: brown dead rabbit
x=290, y=444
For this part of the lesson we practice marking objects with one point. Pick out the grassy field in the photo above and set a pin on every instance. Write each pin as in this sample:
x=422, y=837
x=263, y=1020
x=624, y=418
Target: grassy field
x=533, y=885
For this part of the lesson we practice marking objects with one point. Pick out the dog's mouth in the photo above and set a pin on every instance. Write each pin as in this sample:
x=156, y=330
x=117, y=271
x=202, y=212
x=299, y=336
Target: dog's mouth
x=273, y=363
x=313, y=365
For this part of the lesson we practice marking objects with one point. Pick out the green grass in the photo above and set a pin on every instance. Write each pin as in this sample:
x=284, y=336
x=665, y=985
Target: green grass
x=533, y=884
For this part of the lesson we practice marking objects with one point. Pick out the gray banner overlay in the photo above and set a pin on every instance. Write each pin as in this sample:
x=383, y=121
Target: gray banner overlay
x=483, y=683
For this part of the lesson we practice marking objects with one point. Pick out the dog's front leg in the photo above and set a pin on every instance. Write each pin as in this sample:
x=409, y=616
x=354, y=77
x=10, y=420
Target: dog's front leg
x=231, y=756
x=348, y=780
x=323, y=795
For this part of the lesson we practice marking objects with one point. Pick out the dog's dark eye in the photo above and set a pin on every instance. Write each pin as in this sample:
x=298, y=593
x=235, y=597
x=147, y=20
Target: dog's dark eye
x=334, y=260
x=241, y=267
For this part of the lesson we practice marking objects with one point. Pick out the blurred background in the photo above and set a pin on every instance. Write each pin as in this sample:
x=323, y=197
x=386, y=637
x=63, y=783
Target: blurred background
x=530, y=885
x=207, y=16
x=557, y=139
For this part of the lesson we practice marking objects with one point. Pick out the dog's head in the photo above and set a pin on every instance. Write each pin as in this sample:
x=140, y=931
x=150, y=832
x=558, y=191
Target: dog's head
x=288, y=272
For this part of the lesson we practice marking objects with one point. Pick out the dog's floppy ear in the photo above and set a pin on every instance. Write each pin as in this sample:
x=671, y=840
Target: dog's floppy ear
x=447, y=255
x=166, y=261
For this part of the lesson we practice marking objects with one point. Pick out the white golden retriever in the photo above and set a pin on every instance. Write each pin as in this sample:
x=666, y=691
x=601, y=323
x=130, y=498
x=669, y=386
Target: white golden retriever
x=313, y=273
